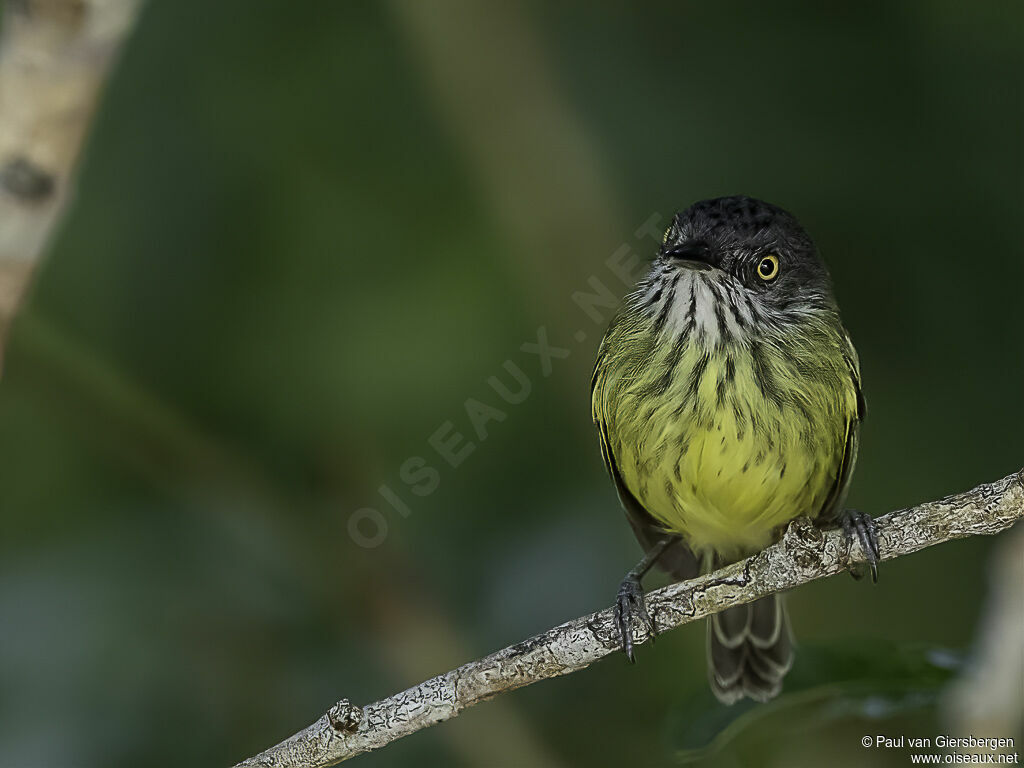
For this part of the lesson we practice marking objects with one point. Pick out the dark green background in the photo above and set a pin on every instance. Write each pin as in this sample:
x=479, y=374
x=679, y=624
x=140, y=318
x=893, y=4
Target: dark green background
x=306, y=233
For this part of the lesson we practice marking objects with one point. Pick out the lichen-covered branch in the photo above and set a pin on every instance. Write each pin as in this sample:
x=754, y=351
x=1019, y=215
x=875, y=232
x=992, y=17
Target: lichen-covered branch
x=54, y=57
x=805, y=553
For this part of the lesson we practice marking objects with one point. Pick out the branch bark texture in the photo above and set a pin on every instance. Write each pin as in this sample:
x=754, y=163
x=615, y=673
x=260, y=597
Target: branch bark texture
x=805, y=553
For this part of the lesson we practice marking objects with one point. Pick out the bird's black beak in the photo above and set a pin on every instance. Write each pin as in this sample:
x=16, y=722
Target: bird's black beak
x=695, y=253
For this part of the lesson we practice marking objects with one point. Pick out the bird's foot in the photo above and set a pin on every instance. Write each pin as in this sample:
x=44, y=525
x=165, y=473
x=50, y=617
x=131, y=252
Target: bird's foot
x=860, y=525
x=631, y=611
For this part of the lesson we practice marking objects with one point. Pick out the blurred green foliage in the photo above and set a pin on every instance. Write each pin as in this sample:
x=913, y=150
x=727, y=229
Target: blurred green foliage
x=843, y=682
x=305, y=234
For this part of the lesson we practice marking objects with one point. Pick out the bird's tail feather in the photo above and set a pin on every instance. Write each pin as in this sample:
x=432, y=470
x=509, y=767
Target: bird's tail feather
x=750, y=650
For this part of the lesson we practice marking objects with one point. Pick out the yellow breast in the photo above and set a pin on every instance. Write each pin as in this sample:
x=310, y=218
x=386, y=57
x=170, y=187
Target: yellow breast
x=712, y=456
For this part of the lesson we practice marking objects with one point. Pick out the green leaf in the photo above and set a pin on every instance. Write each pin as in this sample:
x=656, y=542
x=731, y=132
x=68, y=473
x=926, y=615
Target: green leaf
x=825, y=684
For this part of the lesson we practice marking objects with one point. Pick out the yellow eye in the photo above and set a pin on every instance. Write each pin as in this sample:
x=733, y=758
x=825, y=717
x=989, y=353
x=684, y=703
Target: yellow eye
x=668, y=232
x=768, y=268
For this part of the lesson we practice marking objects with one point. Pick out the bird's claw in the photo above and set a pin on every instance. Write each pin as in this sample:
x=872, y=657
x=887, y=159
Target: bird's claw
x=861, y=525
x=630, y=610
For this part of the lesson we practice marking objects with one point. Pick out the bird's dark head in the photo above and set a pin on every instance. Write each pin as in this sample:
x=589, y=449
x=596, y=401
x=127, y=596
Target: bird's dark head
x=753, y=245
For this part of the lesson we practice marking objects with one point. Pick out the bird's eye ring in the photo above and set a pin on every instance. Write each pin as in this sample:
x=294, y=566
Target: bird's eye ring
x=768, y=268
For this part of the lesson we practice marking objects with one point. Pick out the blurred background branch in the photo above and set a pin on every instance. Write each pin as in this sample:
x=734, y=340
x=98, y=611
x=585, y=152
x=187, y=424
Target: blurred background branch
x=989, y=695
x=804, y=554
x=54, y=57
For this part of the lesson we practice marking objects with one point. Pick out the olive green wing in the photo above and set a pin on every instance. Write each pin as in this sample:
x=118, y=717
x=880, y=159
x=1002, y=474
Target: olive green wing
x=833, y=506
x=679, y=561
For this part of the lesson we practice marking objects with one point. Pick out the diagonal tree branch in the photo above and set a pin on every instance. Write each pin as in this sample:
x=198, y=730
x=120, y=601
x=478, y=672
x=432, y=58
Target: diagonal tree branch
x=805, y=553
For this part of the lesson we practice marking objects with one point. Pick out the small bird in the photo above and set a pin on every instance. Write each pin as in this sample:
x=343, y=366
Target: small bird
x=727, y=397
